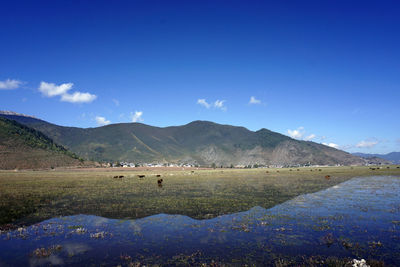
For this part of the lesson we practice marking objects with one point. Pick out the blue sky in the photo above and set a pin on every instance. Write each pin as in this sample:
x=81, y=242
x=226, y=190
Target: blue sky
x=326, y=71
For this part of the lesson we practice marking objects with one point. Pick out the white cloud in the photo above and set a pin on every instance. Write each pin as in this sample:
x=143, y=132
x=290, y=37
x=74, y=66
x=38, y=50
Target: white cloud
x=297, y=134
x=366, y=144
x=78, y=97
x=331, y=145
x=137, y=116
x=116, y=102
x=102, y=121
x=51, y=89
x=220, y=104
x=9, y=84
x=204, y=103
x=253, y=100
x=310, y=137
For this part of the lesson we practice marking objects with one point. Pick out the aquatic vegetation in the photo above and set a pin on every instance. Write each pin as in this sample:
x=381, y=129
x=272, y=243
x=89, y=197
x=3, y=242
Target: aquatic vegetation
x=79, y=230
x=328, y=239
x=359, y=263
x=44, y=253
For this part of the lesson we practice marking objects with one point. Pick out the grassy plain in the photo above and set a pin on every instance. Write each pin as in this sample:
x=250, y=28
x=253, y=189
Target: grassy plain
x=31, y=196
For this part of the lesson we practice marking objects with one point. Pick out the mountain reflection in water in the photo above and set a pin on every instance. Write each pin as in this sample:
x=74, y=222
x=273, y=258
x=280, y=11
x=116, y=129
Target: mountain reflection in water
x=359, y=218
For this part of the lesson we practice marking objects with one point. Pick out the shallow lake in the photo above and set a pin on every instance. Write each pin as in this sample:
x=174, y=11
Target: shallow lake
x=357, y=219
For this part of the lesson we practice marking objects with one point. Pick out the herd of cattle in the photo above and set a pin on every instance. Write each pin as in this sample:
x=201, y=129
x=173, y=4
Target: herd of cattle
x=159, y=181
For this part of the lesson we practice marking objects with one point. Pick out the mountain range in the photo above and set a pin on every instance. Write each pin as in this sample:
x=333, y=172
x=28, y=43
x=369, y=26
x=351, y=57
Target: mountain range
x=393, y=157
x=198, y=142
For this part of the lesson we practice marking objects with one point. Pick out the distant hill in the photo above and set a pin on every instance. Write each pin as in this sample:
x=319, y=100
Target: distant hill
x=200, y=142
x=393, y=157
x=22, y=147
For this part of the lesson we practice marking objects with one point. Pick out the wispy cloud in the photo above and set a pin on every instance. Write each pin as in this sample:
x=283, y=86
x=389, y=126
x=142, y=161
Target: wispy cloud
x=203, y=103
x=331, y=145
x=78, y=97
x=116, y=102
x=51, y=90
x=367, y=144
x=10, y=84
x=300, y=134
x=102, y=121
x=310, y=137
x=218, y=104
x=297, y=134
x=254, y=100
x=137, y=116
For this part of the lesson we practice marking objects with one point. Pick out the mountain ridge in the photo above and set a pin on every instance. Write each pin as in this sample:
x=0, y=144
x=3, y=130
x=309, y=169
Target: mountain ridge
x=393, y=157
x=197, y=142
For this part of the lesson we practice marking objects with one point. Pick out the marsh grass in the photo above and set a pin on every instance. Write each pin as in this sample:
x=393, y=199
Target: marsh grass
x=30, y=196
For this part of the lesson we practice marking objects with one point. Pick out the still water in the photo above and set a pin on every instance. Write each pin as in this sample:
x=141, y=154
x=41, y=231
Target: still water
x=357, y=219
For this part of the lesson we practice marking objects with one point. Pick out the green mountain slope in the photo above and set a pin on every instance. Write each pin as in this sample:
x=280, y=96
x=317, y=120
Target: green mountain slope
x=22, y=147
x=200, y=142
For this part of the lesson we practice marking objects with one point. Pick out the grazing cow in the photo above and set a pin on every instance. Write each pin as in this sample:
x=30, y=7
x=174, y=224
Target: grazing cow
x=397, y=167
x=158, y=175
x=141, y=175
x=121, y=176
x=116, y=176
x=159, y=182
x=327, y=177
x=320, y=170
